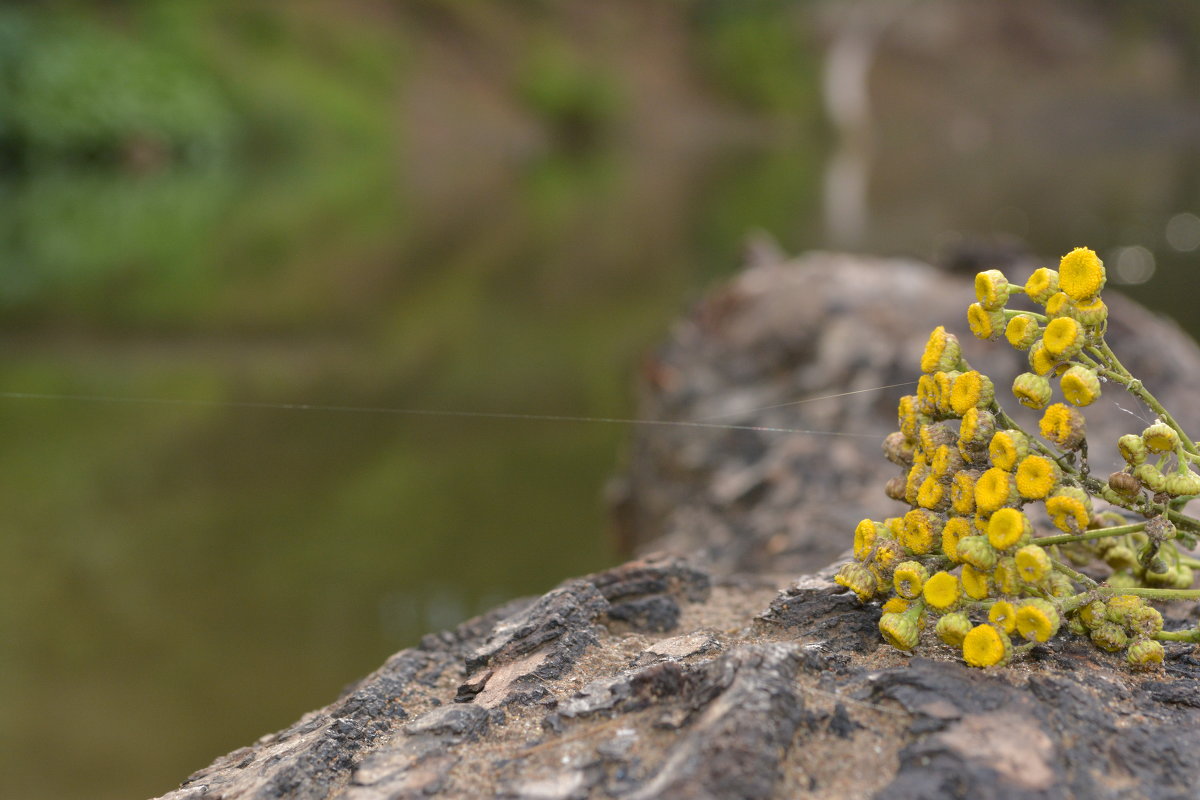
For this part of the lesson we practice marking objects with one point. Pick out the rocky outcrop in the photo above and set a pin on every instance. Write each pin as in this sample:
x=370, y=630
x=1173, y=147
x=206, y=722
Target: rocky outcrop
x=721, y=674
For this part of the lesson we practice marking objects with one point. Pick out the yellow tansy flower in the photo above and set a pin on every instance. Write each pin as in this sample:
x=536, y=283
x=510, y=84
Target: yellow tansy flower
x=942, y=351
x=1007, y=448
x=1033, y=564
x=1160, y=438
x=991, y=289
x=1022, y=331
x=1064, y=426
x=1145, y=654
x=977, y=428
x=953, y=531
x=946, y=461
x=970, y=390
x=858, y=579
x=865, y=534
x=1032, y=391
x=1037, y=620
x=1081, y=274
x=1005, y=576
x=922, y=528
x=962, y=492
x=942, y=591
x=994, y=489
x=932, y=494
x=953, y=628
x=1007, y=528
x=1042, y=285
x=900, y=630
x=975, y=583
x=1003, y=615
x=908, y=579
x=986, y=646
x=1040, y=360
x=895, y=605
x=983, y=323
x=1080, y=385
x=1069, y=511
x=1036, y=477
x=1064, y=338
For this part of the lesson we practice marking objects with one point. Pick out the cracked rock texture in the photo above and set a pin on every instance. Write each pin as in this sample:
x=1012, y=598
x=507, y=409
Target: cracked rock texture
x=720, y=674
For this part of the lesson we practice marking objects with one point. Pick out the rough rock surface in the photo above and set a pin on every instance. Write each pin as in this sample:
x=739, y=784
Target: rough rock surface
x=718, y=677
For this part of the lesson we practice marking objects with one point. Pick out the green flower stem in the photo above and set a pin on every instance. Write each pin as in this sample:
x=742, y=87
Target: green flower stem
x=1192, y=635
x=1078, y=577
x=1099, y=533
x=1153, y=594
x=1022, y=649
x=1122, y=376
x=1009, y=313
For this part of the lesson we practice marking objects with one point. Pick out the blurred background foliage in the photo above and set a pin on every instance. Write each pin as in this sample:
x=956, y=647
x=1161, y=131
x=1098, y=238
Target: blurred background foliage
x=225, y=205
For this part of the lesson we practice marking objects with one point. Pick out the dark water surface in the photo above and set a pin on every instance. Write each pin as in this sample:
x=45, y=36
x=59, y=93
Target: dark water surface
x=181, y=576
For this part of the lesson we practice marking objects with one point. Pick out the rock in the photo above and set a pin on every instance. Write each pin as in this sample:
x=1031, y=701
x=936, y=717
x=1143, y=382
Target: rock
x=711, y=677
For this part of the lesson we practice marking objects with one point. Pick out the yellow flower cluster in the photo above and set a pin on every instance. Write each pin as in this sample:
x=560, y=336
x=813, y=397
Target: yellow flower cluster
x=965, y=555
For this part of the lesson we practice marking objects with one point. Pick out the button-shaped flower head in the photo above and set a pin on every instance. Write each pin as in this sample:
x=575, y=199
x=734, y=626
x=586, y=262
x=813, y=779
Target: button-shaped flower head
x=1081, y=274
x=1008, y=528
x=1033, y=564
x=1042, y=285
x=1007, y=448
x=1022, y=331
x=942, y=592
x=1064, y=338
x=1037, y=477
x=985, y=324
x=986, y=646
x=1080, y=385
x=970, y=390
x=942, y=352
x=1037, y=620
x=991, y=289
x=1032, y=391
x=1063, y=425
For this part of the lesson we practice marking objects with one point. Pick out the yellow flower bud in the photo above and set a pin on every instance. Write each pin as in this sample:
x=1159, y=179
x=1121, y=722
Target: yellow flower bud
x=944, y=381
x=900, y=630
x=1022, y=331
x=942, y=591
x=858, y=579
x=1037, y=620
x=1081, y=274
x=977, y=428
x=995, y=489
x=962, y=492
x=1118, y=609
x=865, y=534
x=895, y=605
x=945, y=462
x=1007, y=448
x=1037, y=477
x=933, y=494
x=1144, y=620
x=986, y=646
x=1006, y=578
x=1033, y=565
x=1182, y=484
x=922, y=528
x=1032, y=391
x=1064, y=426
x=1059, y=305
x=1008, y=528
x=1003, y=615
x=971, y=390
x=1042, y=285
x=1080, y=385
x=978, y=552
x=942, y=352
x=1160, y=438
x=909, y=578
x=1093, y=614
x=1145, y=654
x=991, y=289
x=1070, y=509
x=976, y=583
x=1132, y=448
x=913, y=481
x=1064, y=338
x=1151, y=477
x=1040, y=360
x=983, y=323
x=952, y=532
x=1109, y=636
x=1092, y=314
x=953, y=628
